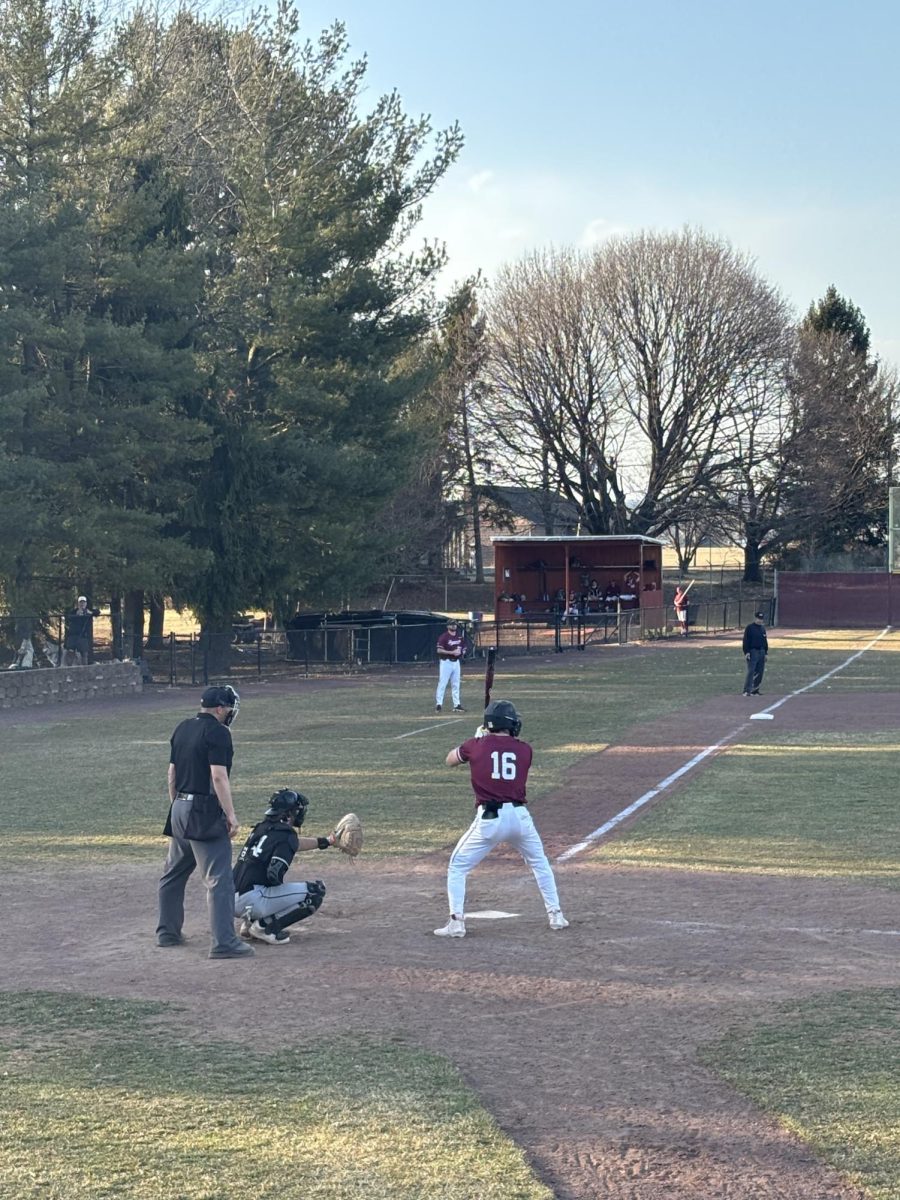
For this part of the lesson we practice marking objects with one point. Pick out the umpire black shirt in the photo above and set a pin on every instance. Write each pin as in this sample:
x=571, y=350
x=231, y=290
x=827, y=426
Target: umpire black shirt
x=755, y=638
x=197, y=744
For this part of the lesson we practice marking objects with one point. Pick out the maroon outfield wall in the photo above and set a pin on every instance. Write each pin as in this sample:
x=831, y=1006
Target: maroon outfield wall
x=837, y=599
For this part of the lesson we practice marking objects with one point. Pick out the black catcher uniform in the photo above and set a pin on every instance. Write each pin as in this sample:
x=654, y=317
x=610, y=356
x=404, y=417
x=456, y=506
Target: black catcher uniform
x=265, y=904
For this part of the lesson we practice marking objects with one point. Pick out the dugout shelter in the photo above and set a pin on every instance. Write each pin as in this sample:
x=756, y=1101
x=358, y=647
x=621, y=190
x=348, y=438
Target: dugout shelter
x=536, y=577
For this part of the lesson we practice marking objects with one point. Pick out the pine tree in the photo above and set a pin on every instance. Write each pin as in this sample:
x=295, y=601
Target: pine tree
x=95, y=327
x=836, y=499
x=310, y=308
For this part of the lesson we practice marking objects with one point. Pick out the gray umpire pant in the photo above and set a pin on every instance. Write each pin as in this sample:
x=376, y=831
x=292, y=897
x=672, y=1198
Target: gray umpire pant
x=214, y=861
x=756, y=665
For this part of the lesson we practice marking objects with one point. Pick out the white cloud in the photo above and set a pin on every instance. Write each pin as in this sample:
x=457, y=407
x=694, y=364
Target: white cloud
x=599, y=230
x=479, y=180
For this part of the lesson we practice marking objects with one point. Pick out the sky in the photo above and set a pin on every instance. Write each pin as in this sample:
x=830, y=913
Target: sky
x=773, y=125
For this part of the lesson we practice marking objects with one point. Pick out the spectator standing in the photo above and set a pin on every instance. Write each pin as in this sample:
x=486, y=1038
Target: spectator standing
x=201, y=823
x=79, y=636
x=756, y=649
x=450, y=650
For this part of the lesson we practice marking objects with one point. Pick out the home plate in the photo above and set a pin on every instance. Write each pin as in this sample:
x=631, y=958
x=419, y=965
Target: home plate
x=761, y=717
x=489, y=914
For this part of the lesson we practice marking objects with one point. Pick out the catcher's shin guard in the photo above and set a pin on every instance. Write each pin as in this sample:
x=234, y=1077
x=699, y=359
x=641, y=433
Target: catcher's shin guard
x=311, y=904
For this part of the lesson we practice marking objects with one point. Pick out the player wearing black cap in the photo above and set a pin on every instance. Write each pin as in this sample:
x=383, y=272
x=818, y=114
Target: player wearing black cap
x=201, y=823
x=756, y=648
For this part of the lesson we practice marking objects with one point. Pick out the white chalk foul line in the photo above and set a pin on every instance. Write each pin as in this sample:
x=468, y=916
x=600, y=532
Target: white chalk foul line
x=811, y=930
x=425, y=728
x=670, y=779
x=646, y=798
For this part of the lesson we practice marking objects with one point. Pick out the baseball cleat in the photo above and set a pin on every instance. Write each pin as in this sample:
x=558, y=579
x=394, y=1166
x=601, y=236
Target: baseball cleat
x=437, y=708
x=455, y=928
x=458, y=708
x=275, y=937
x=557, y=920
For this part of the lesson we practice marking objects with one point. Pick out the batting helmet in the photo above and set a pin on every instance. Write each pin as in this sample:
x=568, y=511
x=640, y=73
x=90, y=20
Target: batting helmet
x=288, y=804
x=501, y=715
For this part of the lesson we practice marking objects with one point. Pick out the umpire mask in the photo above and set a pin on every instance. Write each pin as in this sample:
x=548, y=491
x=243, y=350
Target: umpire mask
x=222, y=697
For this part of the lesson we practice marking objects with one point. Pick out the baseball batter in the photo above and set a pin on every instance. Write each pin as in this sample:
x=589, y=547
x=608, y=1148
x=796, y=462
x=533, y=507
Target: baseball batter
x=450, y=649
x=499, y=763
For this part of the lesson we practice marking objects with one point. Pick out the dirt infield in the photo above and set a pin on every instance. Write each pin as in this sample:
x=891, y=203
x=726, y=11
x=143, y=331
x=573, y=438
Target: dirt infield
x=582, y=1043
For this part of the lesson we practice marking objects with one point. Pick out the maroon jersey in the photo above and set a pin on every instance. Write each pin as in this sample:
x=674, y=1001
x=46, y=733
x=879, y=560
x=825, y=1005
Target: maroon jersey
x=448, y=643
x=499, y=767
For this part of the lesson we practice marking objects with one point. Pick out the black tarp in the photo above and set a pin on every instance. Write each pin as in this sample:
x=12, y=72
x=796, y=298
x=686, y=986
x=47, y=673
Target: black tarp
x=371, y=635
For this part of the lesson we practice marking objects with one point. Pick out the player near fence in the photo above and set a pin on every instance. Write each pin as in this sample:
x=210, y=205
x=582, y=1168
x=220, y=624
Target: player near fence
x=682, y=608
x=451, y=647
x=499, y=762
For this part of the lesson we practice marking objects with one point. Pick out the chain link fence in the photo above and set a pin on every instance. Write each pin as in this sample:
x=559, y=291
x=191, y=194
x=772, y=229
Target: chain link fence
x=340, y=646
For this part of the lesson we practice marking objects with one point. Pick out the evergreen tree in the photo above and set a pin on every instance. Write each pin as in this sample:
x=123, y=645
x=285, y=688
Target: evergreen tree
x=838, y=459
x=95, y=326
x=302, y=204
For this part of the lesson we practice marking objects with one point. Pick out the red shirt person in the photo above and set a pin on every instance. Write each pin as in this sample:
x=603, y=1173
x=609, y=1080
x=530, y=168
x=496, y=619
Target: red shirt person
x=499, y=763
x=450, y=650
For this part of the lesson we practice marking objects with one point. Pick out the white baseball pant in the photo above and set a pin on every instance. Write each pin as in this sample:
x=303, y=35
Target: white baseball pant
x=513, y=825
x=450, y=674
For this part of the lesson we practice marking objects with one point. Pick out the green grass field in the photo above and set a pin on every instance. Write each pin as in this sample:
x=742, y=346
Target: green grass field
x=92, y=1113
x=828, y=1068
x=99, y=1101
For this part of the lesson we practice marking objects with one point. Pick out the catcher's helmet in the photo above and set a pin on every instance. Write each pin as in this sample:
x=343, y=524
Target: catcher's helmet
x=501, y=715
x=288, y=804
x=222, y=697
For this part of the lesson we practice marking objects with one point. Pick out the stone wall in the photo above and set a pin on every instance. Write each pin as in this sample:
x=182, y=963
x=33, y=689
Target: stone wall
x=49, y=685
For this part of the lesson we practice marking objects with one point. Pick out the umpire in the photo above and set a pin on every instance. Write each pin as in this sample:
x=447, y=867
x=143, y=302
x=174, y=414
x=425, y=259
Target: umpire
x=756, y=647
x=201, y=823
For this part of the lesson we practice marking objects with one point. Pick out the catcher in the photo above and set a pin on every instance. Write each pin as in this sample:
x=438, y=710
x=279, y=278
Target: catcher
x=266, y=905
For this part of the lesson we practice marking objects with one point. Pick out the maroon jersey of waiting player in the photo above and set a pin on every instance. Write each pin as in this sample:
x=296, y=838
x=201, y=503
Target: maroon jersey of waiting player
x=499, y=767
x=448, y=644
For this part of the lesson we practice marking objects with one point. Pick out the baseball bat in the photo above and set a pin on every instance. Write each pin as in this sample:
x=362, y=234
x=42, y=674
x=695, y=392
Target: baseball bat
x=689, y=586
x=489, y=674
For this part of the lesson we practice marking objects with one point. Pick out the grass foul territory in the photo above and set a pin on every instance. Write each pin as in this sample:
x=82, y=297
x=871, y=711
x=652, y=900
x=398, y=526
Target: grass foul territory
x=99, y=1101
x=827, y=1068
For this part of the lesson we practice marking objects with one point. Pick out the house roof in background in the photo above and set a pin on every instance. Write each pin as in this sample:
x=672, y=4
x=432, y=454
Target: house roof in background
x=526, y=503
x=580, y=537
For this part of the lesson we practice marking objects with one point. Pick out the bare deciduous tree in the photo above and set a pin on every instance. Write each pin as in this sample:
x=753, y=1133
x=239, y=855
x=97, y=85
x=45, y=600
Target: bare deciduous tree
x=554, y=406
x=619, y=369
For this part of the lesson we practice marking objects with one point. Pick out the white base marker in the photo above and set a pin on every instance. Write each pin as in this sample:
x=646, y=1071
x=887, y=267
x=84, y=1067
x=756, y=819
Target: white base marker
x=676, y=775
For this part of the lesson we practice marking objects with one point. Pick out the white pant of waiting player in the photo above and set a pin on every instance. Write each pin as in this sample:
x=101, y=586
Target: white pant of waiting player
x=513, y=825
x=450, y=673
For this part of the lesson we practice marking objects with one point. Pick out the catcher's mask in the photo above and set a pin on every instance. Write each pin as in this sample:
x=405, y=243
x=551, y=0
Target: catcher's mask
x=223, y=696
x=500, y=716
x=288, y=805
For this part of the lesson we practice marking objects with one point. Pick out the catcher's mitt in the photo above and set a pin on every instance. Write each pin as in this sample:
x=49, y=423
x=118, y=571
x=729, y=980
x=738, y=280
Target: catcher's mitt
x=348, y=834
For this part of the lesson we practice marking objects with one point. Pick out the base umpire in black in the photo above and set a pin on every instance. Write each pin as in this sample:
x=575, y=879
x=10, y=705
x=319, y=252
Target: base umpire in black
x=201, y=823
x=756, y=647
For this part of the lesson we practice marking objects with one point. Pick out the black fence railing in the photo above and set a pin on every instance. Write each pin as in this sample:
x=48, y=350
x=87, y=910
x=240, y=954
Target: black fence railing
x=343, y=647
